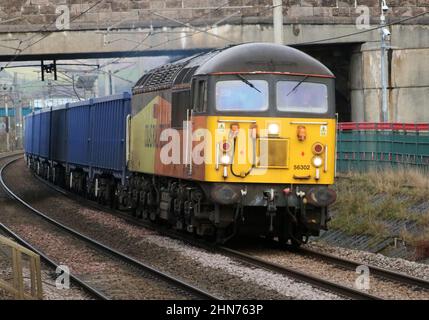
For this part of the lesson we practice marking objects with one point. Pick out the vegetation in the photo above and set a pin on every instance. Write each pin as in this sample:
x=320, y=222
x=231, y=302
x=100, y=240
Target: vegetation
x=368, y=202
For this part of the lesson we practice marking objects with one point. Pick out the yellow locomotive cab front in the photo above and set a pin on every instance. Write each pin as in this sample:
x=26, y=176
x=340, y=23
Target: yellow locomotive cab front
x=272, y=150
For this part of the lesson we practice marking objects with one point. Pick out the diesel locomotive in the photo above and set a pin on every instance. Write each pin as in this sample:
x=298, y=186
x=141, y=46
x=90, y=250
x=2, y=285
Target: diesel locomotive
x=232, y=141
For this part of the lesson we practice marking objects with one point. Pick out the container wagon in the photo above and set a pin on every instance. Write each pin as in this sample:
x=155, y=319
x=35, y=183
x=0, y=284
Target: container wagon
x=80, y=142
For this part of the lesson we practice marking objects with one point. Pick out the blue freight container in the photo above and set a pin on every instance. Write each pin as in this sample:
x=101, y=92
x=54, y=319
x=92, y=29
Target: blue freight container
x=58, y=140
x=78, y=133
x=28, y=130
x=108, y=131
x=96, y=133
x=88, y=134
x=45, y=134
x=36, y=134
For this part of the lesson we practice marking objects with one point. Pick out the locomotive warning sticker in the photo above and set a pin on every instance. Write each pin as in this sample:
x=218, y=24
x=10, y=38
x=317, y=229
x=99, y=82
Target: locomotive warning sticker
x=221, y=127
x=323, y=131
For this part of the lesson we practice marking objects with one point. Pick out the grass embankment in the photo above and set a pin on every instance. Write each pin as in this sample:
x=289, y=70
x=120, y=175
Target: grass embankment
x=366, y=201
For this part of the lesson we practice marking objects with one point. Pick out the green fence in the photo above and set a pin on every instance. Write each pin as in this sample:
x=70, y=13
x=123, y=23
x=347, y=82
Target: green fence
x=366, y=146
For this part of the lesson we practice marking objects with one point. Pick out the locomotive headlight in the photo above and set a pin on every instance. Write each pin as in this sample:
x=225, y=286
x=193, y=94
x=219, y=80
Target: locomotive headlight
x=273, y=129
x=317, y=162
x=318, y=148
x=225, y=159
x=226, y=146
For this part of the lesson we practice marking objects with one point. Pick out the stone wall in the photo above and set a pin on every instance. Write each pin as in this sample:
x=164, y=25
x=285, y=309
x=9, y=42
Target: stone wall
x=408, y=93
x=30, y=15
x=242, y=21
x=408, y=77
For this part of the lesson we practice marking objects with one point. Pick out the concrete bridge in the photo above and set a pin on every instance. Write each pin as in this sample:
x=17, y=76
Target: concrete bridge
x=341, y=34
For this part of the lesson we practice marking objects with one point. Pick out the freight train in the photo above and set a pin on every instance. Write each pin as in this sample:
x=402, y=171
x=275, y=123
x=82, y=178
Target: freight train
x=239, y=140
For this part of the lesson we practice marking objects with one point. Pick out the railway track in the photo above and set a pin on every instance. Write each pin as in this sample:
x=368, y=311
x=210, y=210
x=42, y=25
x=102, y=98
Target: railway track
x=8, y=232
x=319, y=282
x=347, y=264
x=167, y=278
x=51, y=263
x=5, y=156
x=380, y=272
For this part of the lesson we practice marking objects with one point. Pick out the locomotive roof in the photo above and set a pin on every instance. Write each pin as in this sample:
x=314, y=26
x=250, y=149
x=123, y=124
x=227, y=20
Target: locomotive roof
x=242, y=58
x=263, y=57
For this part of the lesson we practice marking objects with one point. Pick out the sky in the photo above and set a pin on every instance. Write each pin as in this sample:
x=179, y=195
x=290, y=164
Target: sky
x=77, y=79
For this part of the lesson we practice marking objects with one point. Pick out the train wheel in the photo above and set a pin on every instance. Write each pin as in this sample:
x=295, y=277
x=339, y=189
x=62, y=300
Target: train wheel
x=295, y=244
x=144, y=213
x=152, y=215
x=220, y=235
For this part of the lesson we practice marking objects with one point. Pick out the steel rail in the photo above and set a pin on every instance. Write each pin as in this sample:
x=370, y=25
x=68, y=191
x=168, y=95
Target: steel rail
x=100, y=246
x=383, y=273
x=93, y=291
x=7, y=231
x=321, y=283
x=380, y=272
x=5, y=155
x=298, y=275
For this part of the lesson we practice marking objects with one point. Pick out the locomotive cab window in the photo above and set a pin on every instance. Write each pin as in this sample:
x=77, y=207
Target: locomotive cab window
x=199, y=100
x=242, y=95
x=301, y=96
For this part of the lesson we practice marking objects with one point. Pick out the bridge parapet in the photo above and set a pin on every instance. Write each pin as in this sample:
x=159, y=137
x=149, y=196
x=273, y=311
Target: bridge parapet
x=26, y=15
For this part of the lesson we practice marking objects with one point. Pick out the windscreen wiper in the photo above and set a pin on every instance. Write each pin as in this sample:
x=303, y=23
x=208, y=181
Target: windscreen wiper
x=297, y=85
x=247, y=82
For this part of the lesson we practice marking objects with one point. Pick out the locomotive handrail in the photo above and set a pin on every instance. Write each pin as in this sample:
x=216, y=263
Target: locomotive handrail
x=128, y=139
x=310, y=122
x=240, y=121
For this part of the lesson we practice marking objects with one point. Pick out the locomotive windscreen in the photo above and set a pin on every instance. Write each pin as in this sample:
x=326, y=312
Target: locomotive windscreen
x=308, y=97
x=236, y=95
